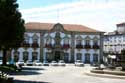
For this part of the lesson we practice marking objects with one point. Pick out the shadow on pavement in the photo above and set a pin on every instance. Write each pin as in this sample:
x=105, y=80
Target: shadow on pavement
x=25, y=73
x=28, y=71
x=32, y=68
x=21, y=81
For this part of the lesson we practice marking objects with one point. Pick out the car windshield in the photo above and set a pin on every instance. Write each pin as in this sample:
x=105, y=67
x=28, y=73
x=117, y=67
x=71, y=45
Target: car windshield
x=79, y=61
x=61, y=61
x=53, y=61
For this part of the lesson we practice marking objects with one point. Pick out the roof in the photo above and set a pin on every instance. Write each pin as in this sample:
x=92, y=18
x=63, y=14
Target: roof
x=49, y=26
x=121, y=24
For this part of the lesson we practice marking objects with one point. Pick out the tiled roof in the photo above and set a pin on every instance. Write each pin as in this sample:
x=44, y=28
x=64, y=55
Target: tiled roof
x=49, y=26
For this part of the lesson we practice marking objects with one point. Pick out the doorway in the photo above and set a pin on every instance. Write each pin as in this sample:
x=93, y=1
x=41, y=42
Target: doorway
x=57, y=55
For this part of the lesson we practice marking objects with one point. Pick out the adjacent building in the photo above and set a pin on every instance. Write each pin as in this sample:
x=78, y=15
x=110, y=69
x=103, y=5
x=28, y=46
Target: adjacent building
x=114, y=42
x=68, y=42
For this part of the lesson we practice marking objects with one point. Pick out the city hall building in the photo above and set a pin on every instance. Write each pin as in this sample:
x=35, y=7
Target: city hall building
x=68, y=42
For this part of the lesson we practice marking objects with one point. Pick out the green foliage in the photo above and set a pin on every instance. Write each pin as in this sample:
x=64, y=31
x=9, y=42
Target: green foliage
x=8, y=68
x=11, y=25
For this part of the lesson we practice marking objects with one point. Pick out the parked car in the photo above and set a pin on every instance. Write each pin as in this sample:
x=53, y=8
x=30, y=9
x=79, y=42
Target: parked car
x=54, y=63
x=79, y=63
x=37, y=63
x=29, y=63
x=20, y=63
x=45, y=63
x=61, y=63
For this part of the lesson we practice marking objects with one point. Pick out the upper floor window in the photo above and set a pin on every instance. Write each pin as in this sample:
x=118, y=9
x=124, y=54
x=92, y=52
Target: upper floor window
x=66, y=40
x=26, y=38
x=35, y=38
x=79, y=40
x=87, y=42
x=95, y=42
x=48, y=39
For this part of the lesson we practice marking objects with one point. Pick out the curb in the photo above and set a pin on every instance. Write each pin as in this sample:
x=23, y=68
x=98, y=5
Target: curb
x=104, y=75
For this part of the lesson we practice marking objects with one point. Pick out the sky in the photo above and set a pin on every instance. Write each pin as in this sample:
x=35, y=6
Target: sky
x=102, y=15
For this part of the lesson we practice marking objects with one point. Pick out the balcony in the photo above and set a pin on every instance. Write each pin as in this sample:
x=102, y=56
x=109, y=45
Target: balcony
x=65, y=46
x=87, y=47
x=95, y=47
x=79, y=46
x=48, y=46
x=35, y=45
x=25, y=44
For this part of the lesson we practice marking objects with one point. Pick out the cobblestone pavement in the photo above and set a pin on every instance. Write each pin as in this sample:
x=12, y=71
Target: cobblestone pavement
x=68, y=74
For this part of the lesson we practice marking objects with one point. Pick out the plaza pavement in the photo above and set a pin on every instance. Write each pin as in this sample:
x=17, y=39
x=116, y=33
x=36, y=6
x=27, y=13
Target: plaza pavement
x=68, y=74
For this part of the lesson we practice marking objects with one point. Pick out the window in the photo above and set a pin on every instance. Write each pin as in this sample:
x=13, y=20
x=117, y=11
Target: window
x=16, y=56
x=79, y=56
x=95, y=58
x=34, y=54
x=25, y=56
x=87, y=58
x=79, y=42
x=66, y=41
x=87, y=42
x=26, y=38
x=95, y=42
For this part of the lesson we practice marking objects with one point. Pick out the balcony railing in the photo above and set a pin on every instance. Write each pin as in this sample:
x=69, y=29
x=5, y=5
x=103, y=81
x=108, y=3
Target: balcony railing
x=35, y=45
x=95, y=47
x=79, y=46
x=87, y=46
x=49, y=46
x=25, y=44
x=65, y=46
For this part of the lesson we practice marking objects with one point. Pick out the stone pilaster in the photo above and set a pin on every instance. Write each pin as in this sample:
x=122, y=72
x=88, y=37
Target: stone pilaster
x=72, y=46
x=101, y=48
x=41, y=45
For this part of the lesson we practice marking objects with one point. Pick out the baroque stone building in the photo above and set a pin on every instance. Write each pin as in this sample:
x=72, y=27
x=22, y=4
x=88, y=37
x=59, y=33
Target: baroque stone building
x=68, y=42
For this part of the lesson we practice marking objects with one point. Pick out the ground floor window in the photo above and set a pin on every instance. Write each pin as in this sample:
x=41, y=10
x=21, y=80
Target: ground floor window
x=25, y=56
x=16, y=56
x=48, y=56
x=87, y=58
x=79, y=56
x=66, y=57
x=95, y=58
x=34, y=54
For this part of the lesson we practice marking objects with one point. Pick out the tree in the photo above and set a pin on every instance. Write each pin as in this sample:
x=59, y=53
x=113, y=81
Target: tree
x=11, y=26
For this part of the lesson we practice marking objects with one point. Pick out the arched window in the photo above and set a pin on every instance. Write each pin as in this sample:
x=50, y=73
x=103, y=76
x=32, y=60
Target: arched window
x=87, y=43
x=79, y=42
x=95, y=43
x=35, y=38
x=66, y=44
x=35, y=41
x=26, y=41
x=48, y=43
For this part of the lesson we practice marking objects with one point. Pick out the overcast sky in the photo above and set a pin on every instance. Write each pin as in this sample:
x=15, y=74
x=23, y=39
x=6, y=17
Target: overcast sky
x=101, y=15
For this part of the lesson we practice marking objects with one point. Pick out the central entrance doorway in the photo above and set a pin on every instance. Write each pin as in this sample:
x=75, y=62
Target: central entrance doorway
x=57, y=55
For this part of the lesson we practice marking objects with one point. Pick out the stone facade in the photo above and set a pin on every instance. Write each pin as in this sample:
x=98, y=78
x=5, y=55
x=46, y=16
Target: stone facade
x=48, y=42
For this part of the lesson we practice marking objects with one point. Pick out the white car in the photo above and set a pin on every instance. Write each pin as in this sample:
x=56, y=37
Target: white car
x=79, y=63
x=54, y=63
x=61, y=63
x=20, y=63
x=37, y=63
x=45, y=63
x=29, y=63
